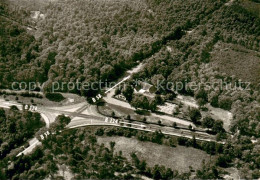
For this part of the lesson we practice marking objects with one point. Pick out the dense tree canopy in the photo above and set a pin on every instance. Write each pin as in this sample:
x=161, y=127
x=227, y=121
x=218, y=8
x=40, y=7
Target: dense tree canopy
x=16, y=128
x=88, y=41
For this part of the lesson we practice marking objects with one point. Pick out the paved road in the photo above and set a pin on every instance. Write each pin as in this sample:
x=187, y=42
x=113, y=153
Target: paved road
x=126, y=78
x=130, y=72
x=143, y=127
x=8, y=104
x=92, y=110
x=109, y=99
x=30, y=148
x=86, y=115
x=46, y=119
x=71, y=114
x=101, y=121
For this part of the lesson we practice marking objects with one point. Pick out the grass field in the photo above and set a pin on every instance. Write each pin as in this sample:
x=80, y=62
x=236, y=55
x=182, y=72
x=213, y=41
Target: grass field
x=225, y=116
x=219, y=114
x=236, y=60
x=251, y=6
x=178, y=158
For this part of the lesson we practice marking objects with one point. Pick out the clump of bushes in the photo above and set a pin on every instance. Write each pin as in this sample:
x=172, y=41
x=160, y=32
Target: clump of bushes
x=57, y=97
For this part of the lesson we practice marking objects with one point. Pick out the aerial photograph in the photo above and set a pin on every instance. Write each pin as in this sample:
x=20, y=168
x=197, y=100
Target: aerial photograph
x=129, y=89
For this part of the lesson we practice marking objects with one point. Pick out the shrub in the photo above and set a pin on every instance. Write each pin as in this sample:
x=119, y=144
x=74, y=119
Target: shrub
x=225, y=103
x=57, y=97
x=194, y=115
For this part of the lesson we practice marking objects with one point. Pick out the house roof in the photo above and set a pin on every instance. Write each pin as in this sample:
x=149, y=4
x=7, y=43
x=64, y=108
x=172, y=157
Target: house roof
x=145, y=86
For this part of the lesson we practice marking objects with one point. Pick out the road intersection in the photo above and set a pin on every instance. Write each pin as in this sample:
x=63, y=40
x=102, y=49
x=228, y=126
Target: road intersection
x=83, y=114
x=87, y=115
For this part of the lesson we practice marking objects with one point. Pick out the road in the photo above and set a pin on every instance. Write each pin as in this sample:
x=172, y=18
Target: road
x=126, y=78
x=130, y=72
x=35, y=143
x=88, y=115
x=111, y=100
x=8, y=104
x=84, y=114
x=110, y=92
x=143, y=127
x=99, y=121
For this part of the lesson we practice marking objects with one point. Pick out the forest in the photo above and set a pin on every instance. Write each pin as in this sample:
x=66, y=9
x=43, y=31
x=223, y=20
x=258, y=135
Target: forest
x=100, y=42
x=74, y=150
x=17, y=128
x=88, y=41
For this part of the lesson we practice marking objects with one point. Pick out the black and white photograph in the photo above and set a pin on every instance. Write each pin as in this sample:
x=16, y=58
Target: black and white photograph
x=129, y=89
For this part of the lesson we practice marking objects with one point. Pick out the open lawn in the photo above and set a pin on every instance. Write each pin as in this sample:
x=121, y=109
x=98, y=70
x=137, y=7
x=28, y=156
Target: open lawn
x=167, y=108
x=221, y=114
x=236, y=60
x=252, y=6
x=178, y=158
